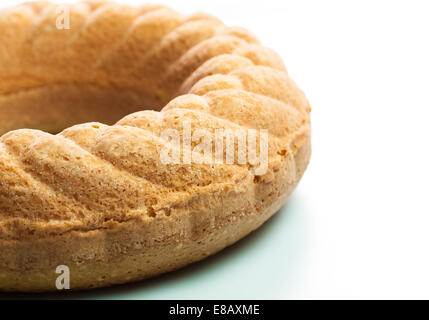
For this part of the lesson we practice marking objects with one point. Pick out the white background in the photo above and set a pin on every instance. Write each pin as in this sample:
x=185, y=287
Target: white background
x=363, y=217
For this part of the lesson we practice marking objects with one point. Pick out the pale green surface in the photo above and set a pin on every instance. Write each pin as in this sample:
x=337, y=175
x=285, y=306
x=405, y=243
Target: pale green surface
x=264, y=265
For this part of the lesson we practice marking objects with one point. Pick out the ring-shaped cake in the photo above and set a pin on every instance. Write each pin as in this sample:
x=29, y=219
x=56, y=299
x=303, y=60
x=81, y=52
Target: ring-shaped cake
x=97, y=197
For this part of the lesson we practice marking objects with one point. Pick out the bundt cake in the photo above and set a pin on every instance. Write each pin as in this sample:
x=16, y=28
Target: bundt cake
x=97, y=197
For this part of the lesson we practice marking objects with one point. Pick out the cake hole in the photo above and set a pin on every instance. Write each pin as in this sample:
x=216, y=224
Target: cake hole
x=53, y=108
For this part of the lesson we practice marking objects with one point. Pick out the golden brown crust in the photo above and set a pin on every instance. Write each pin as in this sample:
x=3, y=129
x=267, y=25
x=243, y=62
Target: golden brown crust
x=98, y=198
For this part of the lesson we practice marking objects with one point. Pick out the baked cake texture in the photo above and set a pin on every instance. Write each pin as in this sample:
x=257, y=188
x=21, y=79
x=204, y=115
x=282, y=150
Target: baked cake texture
x=96, y=196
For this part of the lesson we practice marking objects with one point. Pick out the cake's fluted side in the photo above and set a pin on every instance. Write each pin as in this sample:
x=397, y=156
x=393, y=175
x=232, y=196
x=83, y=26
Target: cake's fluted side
x=150, y=49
